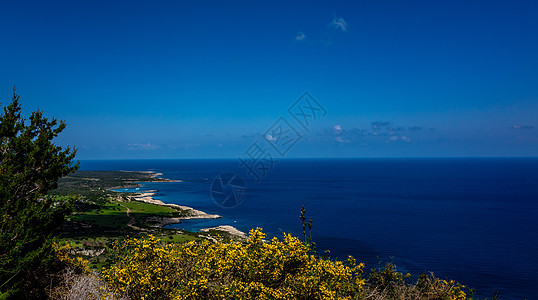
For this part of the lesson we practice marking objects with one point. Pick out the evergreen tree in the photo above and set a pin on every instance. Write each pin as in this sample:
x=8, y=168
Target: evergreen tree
x=30, y=166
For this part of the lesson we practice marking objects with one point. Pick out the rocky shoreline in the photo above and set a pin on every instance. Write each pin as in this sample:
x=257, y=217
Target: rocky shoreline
x=191, y=213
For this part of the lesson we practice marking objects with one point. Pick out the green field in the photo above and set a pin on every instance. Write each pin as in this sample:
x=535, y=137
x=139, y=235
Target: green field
x=113, y=213
x=107, y=215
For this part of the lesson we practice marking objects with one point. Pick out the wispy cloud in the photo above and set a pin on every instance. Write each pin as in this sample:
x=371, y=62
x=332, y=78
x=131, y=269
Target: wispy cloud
x=189, y=145
x=380, y=131
x=340, y=139
x=517, y=126
x=142, y=146
x=375, y=133
x=300, y=36
x=339, y=23
x=396, y=138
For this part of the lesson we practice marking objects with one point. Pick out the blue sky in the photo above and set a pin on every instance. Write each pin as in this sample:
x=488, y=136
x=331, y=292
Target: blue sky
x=207, y=79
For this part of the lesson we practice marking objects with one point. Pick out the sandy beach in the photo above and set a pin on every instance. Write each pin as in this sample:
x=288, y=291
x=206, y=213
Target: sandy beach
x=192, y=213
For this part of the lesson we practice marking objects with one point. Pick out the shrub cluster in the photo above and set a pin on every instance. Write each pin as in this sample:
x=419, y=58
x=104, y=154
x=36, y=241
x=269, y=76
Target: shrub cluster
x=277, y=269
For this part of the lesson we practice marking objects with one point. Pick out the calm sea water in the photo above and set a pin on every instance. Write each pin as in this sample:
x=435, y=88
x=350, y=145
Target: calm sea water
x=474, y=220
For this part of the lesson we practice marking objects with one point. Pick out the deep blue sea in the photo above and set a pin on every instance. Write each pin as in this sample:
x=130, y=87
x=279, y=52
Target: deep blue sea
x=474, y=220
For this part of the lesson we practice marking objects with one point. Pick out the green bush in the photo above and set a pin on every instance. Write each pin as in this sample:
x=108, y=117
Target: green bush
x=30, y=166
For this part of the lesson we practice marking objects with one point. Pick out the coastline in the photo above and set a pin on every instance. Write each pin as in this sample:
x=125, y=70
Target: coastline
x=147, y=197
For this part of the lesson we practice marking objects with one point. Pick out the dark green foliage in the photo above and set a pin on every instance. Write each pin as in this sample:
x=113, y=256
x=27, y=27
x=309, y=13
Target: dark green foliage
x=387, y=278
x=30, y=166
x=307, y=238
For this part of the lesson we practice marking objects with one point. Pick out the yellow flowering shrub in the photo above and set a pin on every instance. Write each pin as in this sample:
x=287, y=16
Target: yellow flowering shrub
x=278, y=269
x=62, y=255
x=143, y=268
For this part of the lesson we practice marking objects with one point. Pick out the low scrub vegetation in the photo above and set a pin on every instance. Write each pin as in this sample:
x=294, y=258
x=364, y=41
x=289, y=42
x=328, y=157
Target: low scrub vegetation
x=148, y=268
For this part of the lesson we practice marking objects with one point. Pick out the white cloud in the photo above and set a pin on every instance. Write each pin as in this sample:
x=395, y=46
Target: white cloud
x=337, y=129
x=270, y=138
x=339, y=23
x=300, y=36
